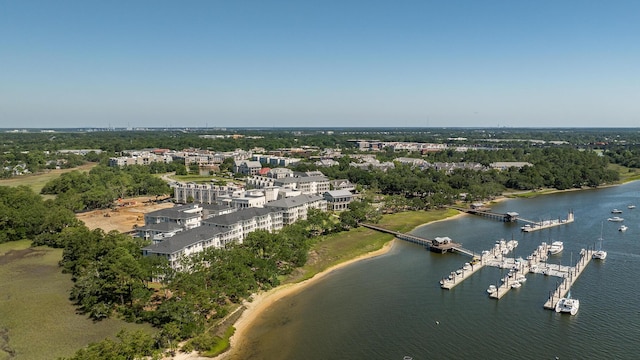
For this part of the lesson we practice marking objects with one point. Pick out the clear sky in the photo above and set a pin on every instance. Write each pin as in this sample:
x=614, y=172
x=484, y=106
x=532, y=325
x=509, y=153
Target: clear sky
x=427, y=63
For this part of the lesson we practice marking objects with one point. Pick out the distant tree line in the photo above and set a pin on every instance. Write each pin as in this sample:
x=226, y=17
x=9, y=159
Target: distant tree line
x=410, y=187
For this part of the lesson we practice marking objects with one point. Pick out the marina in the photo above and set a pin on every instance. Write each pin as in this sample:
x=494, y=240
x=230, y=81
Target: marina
x=398, y=296
x=519, y=268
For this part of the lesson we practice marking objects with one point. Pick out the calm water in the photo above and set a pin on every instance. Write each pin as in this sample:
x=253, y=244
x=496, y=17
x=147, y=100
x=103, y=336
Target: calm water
x=388, y=307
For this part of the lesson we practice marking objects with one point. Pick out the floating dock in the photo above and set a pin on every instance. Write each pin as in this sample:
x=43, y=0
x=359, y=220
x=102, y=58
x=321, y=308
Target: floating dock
x=501, y=248
x=568, y=280
x=519, y=268
x=534, y=226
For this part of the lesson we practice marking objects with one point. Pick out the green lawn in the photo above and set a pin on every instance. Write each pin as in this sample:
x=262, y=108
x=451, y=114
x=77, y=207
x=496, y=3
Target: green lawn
x=36, y=315
x=626, y=174
x=337, y=248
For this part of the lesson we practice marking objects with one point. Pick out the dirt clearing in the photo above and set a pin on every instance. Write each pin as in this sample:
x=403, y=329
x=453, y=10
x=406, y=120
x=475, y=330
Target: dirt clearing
x=127, y=214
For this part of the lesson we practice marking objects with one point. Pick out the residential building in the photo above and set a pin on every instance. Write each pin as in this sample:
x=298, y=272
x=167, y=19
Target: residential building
x=338, y=200
x=157, y=232
x=296, y=208
x=187, y=243
x=240, y=223
x=186, y=216
x=140, y=158
x=342, y=184
x=247, y=167
x=204, y=193
x=211, y=210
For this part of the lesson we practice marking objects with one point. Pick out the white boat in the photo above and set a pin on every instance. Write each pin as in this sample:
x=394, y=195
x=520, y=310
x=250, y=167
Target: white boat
x=615, y=219
x=599, y=254
x=623, y=228
x=521, y=278
x=556, y=247
x=516, y=285
x=631, y=207
x=568, y=305
x=616, y=211
x=492, y=289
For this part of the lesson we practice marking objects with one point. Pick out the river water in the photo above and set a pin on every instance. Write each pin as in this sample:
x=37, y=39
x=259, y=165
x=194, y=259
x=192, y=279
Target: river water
x=392, y=306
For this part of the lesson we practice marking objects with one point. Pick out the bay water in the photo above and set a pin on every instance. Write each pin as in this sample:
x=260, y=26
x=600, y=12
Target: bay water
x=392, y=306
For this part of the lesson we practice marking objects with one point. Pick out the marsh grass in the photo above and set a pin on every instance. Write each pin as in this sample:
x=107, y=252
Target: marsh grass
x=35, y=311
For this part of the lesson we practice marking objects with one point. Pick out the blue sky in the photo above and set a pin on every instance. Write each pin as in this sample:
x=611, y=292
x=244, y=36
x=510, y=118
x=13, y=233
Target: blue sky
x=480, y=63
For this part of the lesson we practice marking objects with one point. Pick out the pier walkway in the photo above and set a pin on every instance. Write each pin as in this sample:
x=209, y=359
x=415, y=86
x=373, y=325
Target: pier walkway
x=529, y=226
x=508, y=217
x=569, y=278
x=432, y=244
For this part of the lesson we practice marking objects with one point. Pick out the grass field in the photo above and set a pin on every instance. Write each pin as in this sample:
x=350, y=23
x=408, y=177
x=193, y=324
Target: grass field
x=37, y=320
x=626, y=174
x=37, y=181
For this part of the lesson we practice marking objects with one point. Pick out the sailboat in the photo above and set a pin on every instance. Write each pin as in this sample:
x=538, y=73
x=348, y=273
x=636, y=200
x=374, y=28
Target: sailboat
x=600, y=254
x=568, y=305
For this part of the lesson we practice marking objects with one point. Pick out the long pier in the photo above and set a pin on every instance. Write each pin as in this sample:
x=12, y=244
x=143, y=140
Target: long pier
x=432, y=244
x=508, y=217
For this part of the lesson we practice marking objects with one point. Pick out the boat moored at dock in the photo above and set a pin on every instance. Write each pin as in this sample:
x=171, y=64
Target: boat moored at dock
x=556, y=247
x=568, y=305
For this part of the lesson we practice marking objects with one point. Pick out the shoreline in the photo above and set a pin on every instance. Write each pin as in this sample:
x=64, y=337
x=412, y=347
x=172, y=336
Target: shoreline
x=262, y=301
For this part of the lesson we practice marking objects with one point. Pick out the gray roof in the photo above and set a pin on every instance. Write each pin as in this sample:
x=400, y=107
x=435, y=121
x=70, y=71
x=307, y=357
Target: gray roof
x=182, y=240
x=339, y=193
x=215, y=207
x=293, y=201
x=177, y=212
x=235, y=217
x=249, y=163
x=304, y=179
x=161, y=227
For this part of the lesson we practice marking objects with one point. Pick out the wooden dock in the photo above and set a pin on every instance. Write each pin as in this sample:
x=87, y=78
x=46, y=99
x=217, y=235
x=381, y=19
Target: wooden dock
x=458, y=276
x=545, y=224
x=431, y=244
x=570, y=278
x=508, y=217
x=529, y=226
x=519, y=269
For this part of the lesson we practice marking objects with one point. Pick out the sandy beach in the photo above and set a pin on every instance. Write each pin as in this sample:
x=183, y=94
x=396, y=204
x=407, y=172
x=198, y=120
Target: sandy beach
x=261, y=301
x=264, y=300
